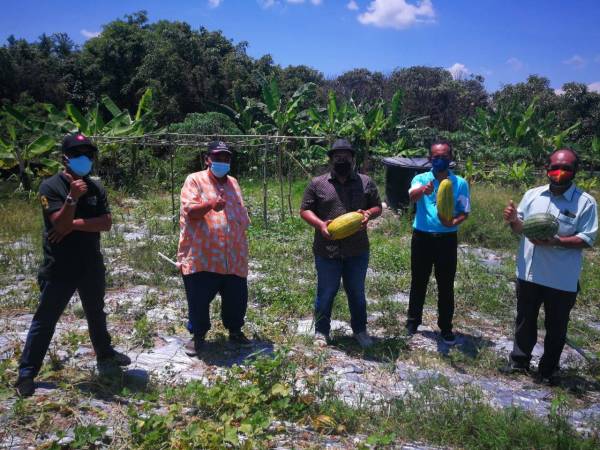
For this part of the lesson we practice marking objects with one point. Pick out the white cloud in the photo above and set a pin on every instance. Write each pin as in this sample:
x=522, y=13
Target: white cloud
x=214, y=3
x=515, y=63
x=594, y=87
x=352, y=5
x=89, y=34
x=459, y=71
x=559, y=91
x=298, y=2
x=576, y=61
x=267, y=3
x=398, y=14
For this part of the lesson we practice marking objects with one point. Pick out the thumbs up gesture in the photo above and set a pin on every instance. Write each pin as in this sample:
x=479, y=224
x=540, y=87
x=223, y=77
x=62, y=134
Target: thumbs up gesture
x=219, y=202
x=510, y=212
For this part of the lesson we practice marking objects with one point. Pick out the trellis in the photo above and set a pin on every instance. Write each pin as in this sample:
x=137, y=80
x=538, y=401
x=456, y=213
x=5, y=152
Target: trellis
x=173, y=141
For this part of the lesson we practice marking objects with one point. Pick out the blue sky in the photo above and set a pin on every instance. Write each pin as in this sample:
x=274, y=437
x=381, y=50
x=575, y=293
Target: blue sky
x=502, y=40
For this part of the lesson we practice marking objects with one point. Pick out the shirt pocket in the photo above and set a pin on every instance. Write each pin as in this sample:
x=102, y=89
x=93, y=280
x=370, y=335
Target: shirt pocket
x=567, y=225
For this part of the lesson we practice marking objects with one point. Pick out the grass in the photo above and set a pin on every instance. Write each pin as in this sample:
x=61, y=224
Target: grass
x=238, y=408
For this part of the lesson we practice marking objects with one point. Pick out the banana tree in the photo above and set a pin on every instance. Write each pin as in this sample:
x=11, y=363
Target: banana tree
x=27, y=157
x=243, y=113
x=284, y=117
x=370, y=126
x=120, y=122
x=511, y=126
x=333, y=121
x=92, y=123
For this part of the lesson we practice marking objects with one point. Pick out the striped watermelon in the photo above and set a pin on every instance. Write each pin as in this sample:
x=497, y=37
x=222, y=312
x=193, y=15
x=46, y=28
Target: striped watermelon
x=540, y=226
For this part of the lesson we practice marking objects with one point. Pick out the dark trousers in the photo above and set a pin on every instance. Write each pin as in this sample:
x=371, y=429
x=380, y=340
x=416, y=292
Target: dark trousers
x=353, y=270
x=557, y=307
x=437, y=251
x=55, y=295
x=202, y=287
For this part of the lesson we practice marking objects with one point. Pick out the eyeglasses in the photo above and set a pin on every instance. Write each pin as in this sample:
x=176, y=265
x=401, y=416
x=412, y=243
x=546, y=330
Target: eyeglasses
x=561, y=167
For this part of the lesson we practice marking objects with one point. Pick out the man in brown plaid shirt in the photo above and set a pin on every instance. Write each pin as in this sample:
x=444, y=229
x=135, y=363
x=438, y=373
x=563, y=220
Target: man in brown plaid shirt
x=328, y=196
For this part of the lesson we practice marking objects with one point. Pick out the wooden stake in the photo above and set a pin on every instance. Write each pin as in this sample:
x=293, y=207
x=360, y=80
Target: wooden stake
x=265, y=153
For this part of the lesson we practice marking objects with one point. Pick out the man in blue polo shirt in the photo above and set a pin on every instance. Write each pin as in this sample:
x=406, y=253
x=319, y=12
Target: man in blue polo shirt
x=548, y=270
x=434, y=243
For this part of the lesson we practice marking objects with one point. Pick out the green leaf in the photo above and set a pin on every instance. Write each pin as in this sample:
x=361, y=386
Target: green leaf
x=119, y=121
x=4, y=145
x=280, y=389
x=230, y=434
x=40, y=146
x=396, y=107
x=75, y=115
x=110, y=105
x=12, y=132
x=18, y=116
x=331, y=108
x=145, y=104
x=271, y=96
x=51, y=164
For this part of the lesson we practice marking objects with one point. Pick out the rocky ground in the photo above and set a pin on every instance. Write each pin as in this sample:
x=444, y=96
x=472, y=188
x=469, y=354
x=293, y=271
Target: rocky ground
x=147, y=322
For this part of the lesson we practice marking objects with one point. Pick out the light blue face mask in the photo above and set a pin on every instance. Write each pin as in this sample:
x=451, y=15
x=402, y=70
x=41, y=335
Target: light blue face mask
x=80, y=166
x=219, y=169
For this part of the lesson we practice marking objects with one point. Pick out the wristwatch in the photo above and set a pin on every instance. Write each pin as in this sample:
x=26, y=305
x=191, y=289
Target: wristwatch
x=70, y=201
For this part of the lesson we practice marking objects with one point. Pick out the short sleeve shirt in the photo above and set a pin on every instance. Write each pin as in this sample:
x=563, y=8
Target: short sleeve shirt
x=217, y=242
x=577, y=214
x=328, y=198
x=79, y=250
x=426, y=218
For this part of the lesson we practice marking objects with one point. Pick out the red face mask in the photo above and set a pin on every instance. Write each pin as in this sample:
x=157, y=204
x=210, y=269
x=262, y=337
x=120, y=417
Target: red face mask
x=560, y=176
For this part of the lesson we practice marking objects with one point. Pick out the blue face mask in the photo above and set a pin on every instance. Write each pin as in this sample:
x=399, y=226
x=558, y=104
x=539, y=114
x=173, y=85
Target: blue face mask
x=80, y=166
x=219, y=169
x=440, y=164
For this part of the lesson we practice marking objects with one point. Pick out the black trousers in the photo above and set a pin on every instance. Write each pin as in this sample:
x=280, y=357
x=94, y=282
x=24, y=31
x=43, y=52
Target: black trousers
x=432, y=251
x=55, y=295
x=202, y=287
x=557, y=307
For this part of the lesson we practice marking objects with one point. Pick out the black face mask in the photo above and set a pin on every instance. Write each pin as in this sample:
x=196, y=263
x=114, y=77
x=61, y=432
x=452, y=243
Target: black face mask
x=342, y=168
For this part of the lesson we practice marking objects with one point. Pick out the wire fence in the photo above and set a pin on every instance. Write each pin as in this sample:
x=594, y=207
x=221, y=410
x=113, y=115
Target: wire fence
x=263, y=150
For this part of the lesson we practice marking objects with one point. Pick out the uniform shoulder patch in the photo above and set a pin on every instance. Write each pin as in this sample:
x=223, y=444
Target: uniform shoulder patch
x=44, y=201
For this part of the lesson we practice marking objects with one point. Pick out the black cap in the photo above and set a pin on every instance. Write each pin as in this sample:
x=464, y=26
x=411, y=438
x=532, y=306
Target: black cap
x=218, y=146
x=75, y=140
x=341, y=144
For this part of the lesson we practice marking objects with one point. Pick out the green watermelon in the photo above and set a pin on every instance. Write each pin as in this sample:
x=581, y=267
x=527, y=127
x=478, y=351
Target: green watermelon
x=540, y=226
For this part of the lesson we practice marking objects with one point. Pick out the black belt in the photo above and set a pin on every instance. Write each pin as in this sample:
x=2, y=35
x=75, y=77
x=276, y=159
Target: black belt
x=434, y=235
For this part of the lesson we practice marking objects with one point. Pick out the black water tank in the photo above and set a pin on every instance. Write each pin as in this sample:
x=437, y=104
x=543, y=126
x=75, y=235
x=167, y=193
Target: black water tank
x=399, y=172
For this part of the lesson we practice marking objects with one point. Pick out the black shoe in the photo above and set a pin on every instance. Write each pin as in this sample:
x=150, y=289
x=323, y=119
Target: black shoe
x=411, y=328
x=116, y=359
x=194, y=346
x=240, y=339
x=448, y=337
x=513, y=367
x=25, y=386
x=549, y=380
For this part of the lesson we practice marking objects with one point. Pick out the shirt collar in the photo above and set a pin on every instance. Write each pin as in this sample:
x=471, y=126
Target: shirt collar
x=353, y=175
x=568, y=194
